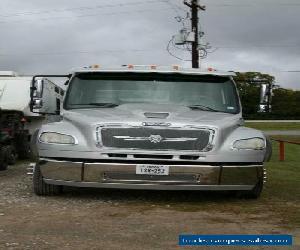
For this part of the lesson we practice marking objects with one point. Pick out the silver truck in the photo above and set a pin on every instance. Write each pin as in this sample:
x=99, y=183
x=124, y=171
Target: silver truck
x=149, y=127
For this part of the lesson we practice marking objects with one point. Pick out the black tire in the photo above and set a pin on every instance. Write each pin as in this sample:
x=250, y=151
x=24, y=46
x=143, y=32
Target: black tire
x=42, y=188
x=3, y=158
x=11, y=155
x=23, y=145
x=269, y=152
x=254, y=193
x=33, y=147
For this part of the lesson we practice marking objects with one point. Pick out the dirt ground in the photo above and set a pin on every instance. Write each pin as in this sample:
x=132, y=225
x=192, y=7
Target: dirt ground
x=120, y=219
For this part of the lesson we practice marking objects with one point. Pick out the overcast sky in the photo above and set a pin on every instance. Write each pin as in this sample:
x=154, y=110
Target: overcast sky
x=58, y=35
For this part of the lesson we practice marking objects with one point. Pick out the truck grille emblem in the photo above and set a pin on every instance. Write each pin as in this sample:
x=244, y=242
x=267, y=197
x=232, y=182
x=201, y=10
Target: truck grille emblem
x=155, y=138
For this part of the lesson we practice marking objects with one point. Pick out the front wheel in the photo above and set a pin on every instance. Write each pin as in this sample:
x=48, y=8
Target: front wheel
x=42, y=188
x=254, y=193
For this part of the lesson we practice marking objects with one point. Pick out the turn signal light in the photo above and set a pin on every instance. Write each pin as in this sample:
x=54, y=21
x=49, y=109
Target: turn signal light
x=95, y=66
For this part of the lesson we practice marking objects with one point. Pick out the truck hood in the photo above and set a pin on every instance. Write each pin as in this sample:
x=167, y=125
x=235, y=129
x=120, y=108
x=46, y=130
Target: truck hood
x=82, y=124
x=158, y=113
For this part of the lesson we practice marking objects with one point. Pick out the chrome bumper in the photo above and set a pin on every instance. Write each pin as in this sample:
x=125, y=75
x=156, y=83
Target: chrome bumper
x=123, y=176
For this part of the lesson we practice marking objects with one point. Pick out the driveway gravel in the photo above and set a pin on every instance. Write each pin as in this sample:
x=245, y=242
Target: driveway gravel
x=119, y=219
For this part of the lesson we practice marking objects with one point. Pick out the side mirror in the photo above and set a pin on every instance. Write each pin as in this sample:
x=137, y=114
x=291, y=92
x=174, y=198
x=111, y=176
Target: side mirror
x=264, y=94
x=37, y=103
x=265, y=98
x=46, y=95
x=37, y=88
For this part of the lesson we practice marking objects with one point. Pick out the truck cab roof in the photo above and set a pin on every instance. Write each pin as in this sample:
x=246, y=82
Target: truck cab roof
x=154, y=69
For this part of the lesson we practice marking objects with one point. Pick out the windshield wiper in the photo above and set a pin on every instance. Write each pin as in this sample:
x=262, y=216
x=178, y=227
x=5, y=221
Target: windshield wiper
x=203, y=107
x=98, y=104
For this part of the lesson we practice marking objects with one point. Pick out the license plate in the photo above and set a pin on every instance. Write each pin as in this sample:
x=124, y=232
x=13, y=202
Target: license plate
x=152, y=169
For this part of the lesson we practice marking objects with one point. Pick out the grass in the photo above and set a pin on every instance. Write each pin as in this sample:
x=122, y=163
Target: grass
x=285, y=176
x=282, y=190
x=280, y=200
x=274, y=125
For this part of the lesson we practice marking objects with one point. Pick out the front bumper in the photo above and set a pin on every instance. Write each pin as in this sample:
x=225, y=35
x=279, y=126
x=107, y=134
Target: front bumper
x=123, y=175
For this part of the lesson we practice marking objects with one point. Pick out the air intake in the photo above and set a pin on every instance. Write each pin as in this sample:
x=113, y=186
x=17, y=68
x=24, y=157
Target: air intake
x=156, y=115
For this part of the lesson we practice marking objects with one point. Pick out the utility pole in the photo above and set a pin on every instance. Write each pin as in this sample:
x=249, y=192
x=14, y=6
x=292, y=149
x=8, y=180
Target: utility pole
x=194, y=6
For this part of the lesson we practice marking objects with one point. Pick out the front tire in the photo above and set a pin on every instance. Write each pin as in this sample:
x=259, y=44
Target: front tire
x=42, y=188
x=269, y=150
x=254, y=193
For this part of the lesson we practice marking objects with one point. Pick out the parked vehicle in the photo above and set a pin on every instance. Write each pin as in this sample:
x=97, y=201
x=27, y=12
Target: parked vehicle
x=17, y=122
x=139, y=127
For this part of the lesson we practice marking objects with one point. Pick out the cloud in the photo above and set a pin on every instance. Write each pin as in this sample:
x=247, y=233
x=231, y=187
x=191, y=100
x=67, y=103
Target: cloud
x=56, y=36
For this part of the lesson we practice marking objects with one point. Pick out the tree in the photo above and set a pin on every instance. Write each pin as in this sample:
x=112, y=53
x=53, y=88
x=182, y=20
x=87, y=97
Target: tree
x=286, y=104
x=249, y=84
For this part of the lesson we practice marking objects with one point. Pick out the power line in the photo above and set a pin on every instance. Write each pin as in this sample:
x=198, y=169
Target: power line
x=59, y=53
x=83, y=8
x=267, y=71
x=174, y=6
x=259, y=46
x=254, y=5
x=176, y=9
x=55, y=53
x=171, y=42
x=290, y=71
x=173, y=55
x=88, y=15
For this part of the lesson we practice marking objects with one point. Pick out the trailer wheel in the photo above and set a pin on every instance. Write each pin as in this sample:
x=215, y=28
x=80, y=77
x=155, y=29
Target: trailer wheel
x=42, y=188
x=3, y=158
x=254, y=193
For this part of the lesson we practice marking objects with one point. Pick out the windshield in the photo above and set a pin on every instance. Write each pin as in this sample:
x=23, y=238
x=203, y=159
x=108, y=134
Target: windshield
x=107, y=90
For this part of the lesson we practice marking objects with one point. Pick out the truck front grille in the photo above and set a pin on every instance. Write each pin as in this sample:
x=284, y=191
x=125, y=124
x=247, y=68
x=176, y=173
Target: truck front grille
x=146, y=138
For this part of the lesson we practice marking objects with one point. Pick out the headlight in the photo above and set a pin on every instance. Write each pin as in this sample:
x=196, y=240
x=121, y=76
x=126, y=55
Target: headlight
x=56, y=138
x=252, y=143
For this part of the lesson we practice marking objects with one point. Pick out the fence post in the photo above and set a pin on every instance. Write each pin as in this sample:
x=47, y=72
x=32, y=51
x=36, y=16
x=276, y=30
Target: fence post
x=281, y=151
